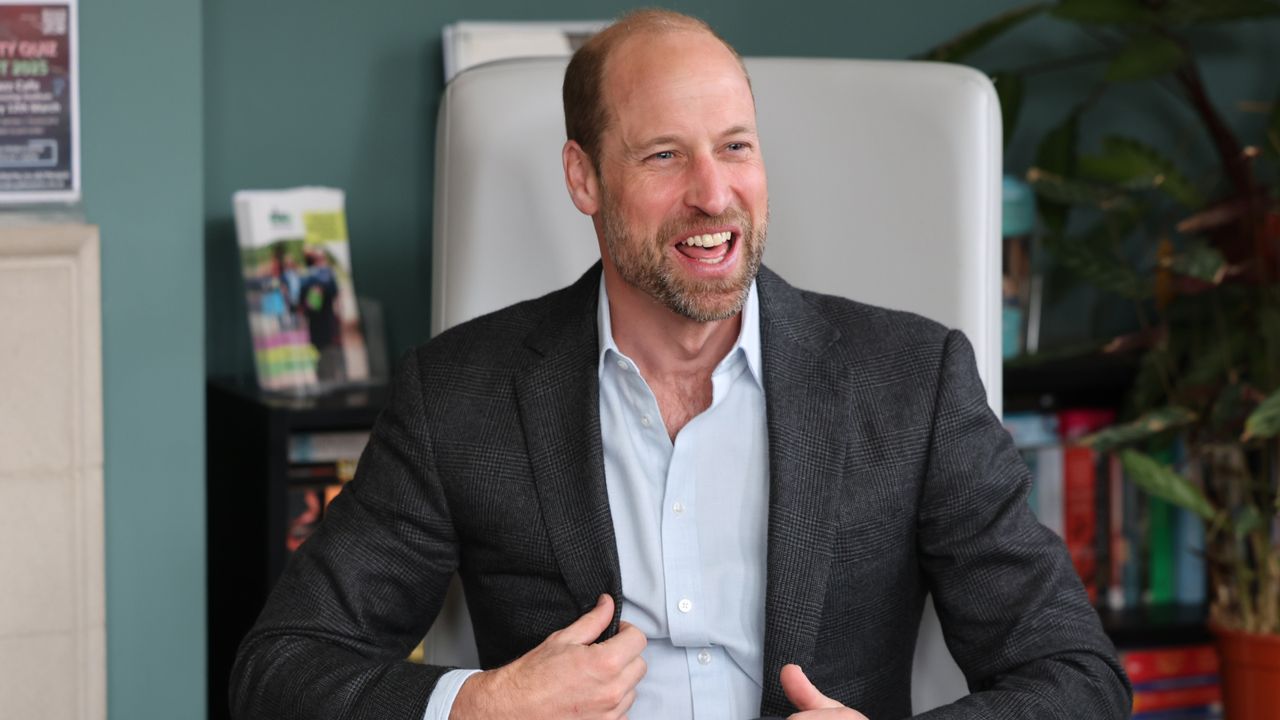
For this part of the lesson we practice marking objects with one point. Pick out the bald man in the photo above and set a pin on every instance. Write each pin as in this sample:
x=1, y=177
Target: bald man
x=681, y=488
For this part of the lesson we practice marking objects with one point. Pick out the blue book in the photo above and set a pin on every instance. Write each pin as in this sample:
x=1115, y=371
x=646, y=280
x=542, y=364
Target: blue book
x=1188, y=571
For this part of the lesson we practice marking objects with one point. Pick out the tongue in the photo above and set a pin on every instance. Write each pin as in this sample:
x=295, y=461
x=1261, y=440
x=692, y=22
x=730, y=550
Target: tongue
x=696, y=252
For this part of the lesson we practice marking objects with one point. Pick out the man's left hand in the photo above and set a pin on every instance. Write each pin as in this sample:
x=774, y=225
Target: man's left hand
x=812, y=704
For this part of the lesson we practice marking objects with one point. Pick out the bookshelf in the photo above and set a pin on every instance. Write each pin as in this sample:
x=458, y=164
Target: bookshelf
x=1102, y=380
x=247, y=493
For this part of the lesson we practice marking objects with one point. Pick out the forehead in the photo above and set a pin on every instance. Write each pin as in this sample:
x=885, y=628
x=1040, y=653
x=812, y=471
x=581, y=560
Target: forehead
x=675, y=76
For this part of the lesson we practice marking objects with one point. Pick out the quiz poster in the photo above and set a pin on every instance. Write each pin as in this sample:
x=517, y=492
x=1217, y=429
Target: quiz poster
x=39, y=103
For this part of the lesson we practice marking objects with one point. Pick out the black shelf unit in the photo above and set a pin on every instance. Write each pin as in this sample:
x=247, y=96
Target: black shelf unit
x=1102, y=380
x=1157, y=626
x=1093, y=380
x=247, y=435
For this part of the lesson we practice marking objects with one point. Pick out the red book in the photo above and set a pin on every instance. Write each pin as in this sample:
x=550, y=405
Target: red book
x=1079, y=505
x=1171, y=662
x=1080, y=493
x=1176, y=698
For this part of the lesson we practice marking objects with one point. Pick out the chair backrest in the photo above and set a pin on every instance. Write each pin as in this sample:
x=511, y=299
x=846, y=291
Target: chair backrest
x=884, y=186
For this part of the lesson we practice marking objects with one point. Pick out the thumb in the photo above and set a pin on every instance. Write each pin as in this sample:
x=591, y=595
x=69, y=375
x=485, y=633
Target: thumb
x=801, y=692
x=586, y=629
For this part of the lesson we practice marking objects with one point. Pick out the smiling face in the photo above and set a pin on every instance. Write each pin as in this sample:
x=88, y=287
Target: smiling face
x=682, y=204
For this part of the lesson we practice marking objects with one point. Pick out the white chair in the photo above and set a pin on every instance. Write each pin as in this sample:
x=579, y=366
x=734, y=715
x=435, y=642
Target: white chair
x=884, y=185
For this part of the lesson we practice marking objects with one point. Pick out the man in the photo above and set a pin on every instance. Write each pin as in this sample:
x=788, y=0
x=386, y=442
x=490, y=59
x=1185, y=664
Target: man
x=681, y=488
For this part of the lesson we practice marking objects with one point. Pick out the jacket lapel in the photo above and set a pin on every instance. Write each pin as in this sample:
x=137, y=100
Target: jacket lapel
x=808, y=395
x=558, y=398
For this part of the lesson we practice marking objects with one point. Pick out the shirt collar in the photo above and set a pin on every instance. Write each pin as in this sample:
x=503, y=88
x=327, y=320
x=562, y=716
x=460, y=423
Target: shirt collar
x=748, y=334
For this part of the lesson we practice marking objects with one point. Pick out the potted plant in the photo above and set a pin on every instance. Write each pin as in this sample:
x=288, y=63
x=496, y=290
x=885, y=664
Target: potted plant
x=1198, y=254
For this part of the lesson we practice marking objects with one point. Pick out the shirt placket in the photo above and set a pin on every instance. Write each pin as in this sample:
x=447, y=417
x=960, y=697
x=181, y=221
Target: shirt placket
x=687, y=606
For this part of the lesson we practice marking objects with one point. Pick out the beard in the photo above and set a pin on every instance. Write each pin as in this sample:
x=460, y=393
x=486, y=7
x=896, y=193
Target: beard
x=645, y=264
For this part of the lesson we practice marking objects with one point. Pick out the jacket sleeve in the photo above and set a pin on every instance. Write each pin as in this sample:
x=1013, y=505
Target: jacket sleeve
x=1014, y=614
x=362, y=591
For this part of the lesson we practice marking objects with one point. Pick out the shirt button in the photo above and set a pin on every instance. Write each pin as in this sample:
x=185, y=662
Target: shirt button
x=704, y=658
x=644, y=420
x=685, y=605
x=678, y=508
x=622, y=364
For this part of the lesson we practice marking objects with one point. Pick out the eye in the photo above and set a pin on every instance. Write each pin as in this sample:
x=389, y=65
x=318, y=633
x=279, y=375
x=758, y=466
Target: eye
x=663, y=155
x=738, y=147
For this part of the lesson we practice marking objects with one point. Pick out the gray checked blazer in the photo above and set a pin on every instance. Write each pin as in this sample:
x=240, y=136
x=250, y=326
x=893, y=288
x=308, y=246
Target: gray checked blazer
x=890, y=478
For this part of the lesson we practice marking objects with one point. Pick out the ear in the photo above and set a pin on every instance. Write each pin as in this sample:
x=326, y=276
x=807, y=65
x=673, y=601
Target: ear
x=580, y=178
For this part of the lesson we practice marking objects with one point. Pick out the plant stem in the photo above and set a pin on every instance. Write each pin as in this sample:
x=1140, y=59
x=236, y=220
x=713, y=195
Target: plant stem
x=1266, y=578
x=1238, y=167
x=1063, y=63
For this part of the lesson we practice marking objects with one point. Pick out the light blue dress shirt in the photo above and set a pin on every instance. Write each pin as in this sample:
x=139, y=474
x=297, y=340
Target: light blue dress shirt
x=690, y=520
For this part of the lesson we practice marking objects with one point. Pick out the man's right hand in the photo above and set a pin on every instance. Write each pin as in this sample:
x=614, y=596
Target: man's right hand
x=564, y=677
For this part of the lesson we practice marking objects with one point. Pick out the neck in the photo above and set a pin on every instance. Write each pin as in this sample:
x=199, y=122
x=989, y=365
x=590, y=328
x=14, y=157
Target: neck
x=663, y=343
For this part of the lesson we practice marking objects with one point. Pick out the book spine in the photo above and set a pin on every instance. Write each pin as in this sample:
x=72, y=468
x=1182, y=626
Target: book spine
x=1134, y=504
x=1116, y=538
x=1144, y=666
x=1079, y=485
x=1189, y=570
x=1049, y=491
x=1177, y=698
x=1160, y=540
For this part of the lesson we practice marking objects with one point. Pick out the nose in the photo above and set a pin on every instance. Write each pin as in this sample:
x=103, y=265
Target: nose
x=708, y=185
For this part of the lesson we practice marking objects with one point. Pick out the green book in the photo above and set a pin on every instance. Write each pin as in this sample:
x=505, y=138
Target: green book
x=1160, y=542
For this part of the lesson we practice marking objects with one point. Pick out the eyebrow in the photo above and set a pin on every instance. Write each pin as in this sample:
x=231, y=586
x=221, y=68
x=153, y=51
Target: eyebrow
x=673, y=139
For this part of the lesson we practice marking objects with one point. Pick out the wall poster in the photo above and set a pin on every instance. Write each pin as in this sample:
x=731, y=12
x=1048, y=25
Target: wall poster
x=39, y=102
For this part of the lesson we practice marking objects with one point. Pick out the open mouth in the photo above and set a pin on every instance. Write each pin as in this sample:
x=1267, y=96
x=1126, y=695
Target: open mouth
x=708, y=248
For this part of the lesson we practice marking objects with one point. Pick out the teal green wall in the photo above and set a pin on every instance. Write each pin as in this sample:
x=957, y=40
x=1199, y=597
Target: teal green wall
x=341, y=93
x=141, y=98
x=345, y=94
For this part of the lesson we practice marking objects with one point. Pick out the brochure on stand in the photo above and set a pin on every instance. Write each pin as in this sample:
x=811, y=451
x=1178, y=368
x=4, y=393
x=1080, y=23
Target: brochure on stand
x=296, y=261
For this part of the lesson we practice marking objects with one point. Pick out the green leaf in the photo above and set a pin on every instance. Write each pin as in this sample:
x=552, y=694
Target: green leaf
x=1056, y=154
x=1149, y=425
x=1248, y=520
x=977, y=37
x=1189, y=12
x=1097, y=265
x=1104, y=12
x=1146, y=57
x=1066, y=191
x=1149, y=384
x=1135, y=165
x=1011, y=88
x=1158, y=480
x=1264, y=421
x=1202, y=262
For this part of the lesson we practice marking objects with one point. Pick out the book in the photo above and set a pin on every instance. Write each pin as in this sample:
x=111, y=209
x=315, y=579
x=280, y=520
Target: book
x=296, y=263
x=1036, y=437
x=1119, y=552
x=1080, y=493
x=314, y=447
x=1196, y=697
x=1151, y=664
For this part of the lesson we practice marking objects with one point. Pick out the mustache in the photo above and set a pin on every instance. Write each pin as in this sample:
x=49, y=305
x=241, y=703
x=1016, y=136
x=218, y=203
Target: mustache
x=683, y=226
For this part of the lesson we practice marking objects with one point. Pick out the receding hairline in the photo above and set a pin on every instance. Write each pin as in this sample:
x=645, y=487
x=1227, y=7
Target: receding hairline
x=601, y=48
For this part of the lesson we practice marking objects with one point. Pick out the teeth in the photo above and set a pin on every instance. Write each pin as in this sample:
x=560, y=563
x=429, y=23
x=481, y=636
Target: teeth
x=709, y=240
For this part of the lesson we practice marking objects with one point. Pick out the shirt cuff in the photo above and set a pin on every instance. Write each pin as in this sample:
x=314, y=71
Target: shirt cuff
x=445, y=692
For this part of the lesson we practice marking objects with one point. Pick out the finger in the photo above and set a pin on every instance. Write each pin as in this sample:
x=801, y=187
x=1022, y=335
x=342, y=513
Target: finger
x=801, y=692
x=627, y=644
x=841, y=713
x=633, y=673
x=587, y=628
x=625, y=704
